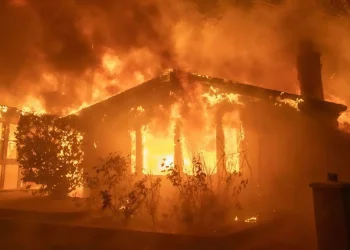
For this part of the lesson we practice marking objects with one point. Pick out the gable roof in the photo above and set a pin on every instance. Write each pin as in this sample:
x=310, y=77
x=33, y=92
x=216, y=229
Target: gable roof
x=153, y=92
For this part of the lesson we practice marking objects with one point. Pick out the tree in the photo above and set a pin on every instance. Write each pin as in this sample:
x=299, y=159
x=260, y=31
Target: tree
x=50, y=154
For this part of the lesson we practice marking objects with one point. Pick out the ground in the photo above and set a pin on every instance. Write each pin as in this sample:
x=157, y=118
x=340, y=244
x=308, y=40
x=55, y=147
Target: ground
x=43, y=224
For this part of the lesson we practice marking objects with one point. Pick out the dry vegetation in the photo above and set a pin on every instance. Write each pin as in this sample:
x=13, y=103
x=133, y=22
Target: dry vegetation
x=200, y=202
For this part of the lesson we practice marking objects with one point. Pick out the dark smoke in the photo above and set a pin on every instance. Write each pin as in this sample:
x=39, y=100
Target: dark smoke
x=252, y=41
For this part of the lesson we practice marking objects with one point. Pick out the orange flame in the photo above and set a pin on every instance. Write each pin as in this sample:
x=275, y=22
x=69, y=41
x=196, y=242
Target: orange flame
x=195, y=141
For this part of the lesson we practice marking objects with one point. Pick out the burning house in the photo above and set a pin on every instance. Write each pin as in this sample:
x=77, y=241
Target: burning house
x=281, y=138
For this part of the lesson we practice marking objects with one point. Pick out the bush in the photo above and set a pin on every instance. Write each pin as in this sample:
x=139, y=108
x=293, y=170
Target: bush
x=114, y=189
x=50, y=154
x=205, y=201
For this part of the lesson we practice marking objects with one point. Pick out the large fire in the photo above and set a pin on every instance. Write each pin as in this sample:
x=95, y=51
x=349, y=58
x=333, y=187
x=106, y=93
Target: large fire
x=199, y=141
x=130, y=47
x=111, y=77
x=158, y=150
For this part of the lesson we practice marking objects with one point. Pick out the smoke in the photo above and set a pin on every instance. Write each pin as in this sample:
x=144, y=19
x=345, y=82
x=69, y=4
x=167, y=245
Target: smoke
x=61, y=54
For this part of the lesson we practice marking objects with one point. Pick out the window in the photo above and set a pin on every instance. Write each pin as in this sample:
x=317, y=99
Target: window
x=11, y=147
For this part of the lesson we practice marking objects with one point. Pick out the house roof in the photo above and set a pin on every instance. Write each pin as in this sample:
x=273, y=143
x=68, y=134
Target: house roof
x=9, y=114
x=157, y=90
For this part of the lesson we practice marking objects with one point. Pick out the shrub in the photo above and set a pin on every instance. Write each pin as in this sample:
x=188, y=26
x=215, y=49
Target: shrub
x=205, y=203
x=115, y=189
x=50, y=154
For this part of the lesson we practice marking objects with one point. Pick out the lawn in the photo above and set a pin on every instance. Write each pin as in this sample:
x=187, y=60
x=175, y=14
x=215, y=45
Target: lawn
x=28, y=222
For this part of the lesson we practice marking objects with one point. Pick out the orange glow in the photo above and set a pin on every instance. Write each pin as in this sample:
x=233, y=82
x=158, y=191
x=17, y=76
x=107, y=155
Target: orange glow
x=111, y=63
x=133, y=151
x=71, y=111
x=205, y=153
x=231, y=149
x=33, y=105
x=344, y=118
x=214, y=96
x=196, y=135
x=292, y=103
x=158, y=151
x=233, y=135
x=251, y=219
x=79, y=190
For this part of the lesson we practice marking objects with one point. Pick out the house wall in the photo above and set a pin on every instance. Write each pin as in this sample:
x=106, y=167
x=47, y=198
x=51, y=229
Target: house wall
x=295, y=150
x=287, y=150
x=10, y=174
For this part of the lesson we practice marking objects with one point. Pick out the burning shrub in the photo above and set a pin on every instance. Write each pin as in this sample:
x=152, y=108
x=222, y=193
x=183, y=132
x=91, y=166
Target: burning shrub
x=115, y=189
x=206, y=201
x=50, y=154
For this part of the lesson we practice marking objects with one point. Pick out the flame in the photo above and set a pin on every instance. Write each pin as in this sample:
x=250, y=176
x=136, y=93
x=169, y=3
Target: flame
x=3, y=110
x=232, y=141
x=111, y=63
x=214, y=96
x=158, y=151
x=197, y=134
x=112, y=76
x=344, y=118
x=71, y=111
x=251, y=219
x=292, y=103
x=33, y=105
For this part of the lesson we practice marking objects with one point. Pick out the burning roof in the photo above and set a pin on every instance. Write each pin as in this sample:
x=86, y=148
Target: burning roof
x=10, y=114
x=158, y=90
x=178, y=114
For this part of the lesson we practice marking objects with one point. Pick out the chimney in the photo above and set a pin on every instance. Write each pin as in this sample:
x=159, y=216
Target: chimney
x=309, y=71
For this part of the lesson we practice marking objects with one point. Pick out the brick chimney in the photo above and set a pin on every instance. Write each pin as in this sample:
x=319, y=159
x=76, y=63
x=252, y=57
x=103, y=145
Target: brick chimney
x=309, y=71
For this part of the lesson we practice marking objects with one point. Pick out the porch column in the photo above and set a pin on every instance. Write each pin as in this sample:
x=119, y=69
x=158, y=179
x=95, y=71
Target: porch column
x=139, y=150
x=220, y=146
x=4, y=140
x=178, y=159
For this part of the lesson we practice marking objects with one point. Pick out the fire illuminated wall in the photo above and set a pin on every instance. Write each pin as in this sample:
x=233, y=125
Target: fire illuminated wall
x=10, y=172
x=233, y=136
x=158, y=149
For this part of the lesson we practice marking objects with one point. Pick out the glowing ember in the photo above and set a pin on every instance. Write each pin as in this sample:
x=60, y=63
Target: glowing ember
x=251, y=220
x=214, y=96
x=292, y=103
